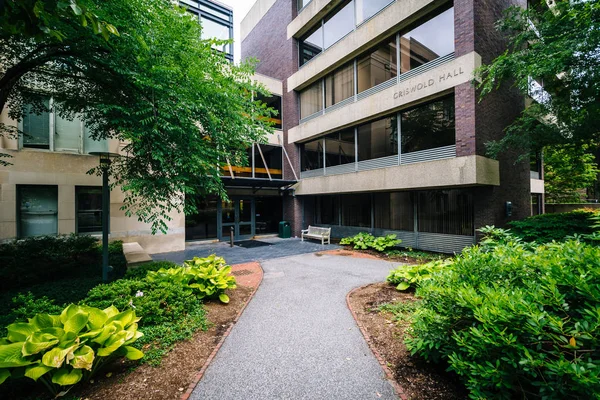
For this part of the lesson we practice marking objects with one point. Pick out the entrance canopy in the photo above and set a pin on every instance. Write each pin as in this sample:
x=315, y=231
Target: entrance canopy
x=257, y=183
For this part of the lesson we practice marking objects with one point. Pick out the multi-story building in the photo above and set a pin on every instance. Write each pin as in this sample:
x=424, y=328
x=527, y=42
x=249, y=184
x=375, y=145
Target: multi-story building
x=382, y=122
x=47, y=190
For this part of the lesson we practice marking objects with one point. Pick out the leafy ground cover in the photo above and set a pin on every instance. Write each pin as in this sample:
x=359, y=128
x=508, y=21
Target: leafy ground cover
x=545, y=228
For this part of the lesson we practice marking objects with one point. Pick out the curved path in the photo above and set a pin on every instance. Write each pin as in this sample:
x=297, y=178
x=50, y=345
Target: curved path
x=297, y=339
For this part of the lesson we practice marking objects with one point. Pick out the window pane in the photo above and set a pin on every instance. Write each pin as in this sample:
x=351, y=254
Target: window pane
x=214, y=30
x=240, y=165
x=339, y=148
x=274, y=102
x=356, y=210
x=329, y=210
x=339, y=85
x=269, y=211
x=203, y=224
x=302, y=4
x=273, y=155
x=433, y=39
x=311, y=46
x=394, y=211
x=378, y=65
x=311, y=99
x=67, y=134
x=378, y=139
x=339, y=24
x=446, y=211
x=38, y=210
x=214, y=12
x=312, y=155
x=429, y=126
x=365, y=9
x=89, y=209
x=90, y=145
x=36, y=128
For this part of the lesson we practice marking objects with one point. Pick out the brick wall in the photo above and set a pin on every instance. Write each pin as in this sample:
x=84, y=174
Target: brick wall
x=278, y=58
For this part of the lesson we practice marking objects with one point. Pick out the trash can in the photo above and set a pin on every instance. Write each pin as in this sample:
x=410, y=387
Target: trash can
x=285, y=230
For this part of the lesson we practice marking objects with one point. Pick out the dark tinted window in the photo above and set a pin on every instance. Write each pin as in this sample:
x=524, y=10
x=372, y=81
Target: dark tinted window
x=273, y=102
x=429, y=126
x=378, y=139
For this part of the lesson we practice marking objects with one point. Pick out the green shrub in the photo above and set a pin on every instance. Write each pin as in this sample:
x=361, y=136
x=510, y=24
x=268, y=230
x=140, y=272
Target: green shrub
x=38, y=260
x=141, y=271
x=206, y=277
x=407, y=277
x=515, y=321
x=545, y=228
x=364, y=241
x=61, y=350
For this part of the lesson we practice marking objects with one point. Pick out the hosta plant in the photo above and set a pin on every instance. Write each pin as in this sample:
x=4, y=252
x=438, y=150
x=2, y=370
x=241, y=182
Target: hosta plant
x=207, y=277
x=411, y=276
x=61, y=350
x=364, y=241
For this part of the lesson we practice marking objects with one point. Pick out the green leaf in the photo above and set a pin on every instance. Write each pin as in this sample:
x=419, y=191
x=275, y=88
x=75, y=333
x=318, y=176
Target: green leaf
x=67, y=376
x=19, y=331
x=224, y=298
x=83, y=358
x=4, y=375
x=76, y=322
x=131, y=353
x=11, y=356
x=38, y=342
x=57, y=356
x=36, y=371
x=42, y=321
x=97, y=318
x=403, y=286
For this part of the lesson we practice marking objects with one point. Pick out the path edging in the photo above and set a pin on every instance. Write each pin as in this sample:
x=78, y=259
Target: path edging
x=389, y=374
x=200, y=374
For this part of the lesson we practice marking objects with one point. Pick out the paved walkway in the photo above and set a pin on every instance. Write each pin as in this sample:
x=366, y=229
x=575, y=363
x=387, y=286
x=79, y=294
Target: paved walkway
x=238, y=255
x=297, y=339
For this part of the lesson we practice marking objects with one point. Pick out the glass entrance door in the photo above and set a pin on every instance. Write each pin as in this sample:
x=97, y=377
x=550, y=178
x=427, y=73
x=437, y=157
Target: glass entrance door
x=237, y=214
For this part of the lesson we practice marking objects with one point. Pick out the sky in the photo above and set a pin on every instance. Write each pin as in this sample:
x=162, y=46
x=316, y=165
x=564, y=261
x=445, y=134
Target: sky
x=240, y=9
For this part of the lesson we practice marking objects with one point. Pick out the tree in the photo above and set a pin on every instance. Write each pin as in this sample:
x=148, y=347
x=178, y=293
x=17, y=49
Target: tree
x=568, y=171
x=553, y=55
x=179, y=106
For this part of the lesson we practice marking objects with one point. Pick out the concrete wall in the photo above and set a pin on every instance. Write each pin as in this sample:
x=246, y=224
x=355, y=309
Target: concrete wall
x=66, y=171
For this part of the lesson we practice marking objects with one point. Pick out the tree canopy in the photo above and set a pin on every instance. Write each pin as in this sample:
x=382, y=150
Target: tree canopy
x=568, y=172
x=553, y=56
x=178, y=106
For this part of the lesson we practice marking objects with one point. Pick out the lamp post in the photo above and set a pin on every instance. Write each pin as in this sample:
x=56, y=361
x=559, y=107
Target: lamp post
x=105, y=161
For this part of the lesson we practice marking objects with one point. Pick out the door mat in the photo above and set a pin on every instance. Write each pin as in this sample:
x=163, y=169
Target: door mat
x=250, y=244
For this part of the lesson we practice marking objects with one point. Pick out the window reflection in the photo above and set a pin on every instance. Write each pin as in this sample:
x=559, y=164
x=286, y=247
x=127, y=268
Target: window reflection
x=312, y=155
x=311, y=45
x=378, y=139
x=430, y=40
x=339, y=148
x=378, y=65
x=429, y=126
x=339, y=85
x=365, y=9
x=339, y=24
x=311, y=99
x=273, y=102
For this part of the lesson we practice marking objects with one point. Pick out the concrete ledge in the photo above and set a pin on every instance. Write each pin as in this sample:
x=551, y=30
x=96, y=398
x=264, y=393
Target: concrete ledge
x=135, y=254
x=408, y=92
x=258, y=10
x=309, y=15
x=537, y=186
x=448, y=173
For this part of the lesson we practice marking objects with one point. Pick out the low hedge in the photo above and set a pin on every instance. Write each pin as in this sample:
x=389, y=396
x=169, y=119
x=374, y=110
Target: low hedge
x=31, y=261
x=515, y=320
x=545, y=228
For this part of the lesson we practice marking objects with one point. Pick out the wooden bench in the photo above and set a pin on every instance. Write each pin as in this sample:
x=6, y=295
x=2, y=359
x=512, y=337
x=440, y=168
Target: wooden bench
x=314, y=232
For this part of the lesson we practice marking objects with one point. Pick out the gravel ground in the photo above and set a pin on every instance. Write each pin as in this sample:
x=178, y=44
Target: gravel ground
x=297, y=338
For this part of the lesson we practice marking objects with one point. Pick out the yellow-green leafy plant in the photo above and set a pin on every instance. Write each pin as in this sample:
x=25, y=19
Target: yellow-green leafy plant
x=207, y=277
x=61, y=350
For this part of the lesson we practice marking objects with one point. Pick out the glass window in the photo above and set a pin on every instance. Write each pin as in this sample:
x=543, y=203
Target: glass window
x=38, y=210
x=365, y=9
x=241, y=165
x=203, y=224
x=447, y=212
x=36, y=128
x=339, y=148
x=274, y=158
x=269, y=211
x=215, y=30
x=328, y=210
x=378, y=65
x=67, y=134
x=311, y=99
x=394, y=211
x=356, y=210
x=339, y=23
x=339, y=85
x=302, y=4
x=214, y=12
x=433, y=39
x=378, y=139
x=311, y=155
x=88, y=203
x=311, y=45
x=90, y=145
x=429, y=126
x=274, y=102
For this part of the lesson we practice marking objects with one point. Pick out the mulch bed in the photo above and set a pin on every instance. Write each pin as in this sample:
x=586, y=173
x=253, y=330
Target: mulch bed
x=418, y=379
